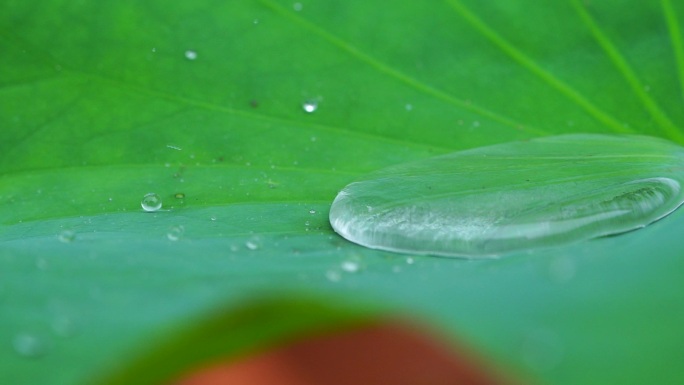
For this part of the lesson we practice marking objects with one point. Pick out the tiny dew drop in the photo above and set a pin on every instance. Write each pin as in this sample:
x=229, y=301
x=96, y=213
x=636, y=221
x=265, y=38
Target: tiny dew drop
x=310, y=106
x=66, y=236
x=175, y=233
x=252, y=243
x=350, y=266
x=516, y=196
x=151, y=202
x=190, y=54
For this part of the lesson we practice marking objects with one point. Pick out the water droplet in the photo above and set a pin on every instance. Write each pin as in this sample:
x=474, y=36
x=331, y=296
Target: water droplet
x=151, y=202
x=408, y=107
x=297, y=6
x=333, y=275
x=213, y=218
x=409, y=260
x=522, y=195
x=67, y=236
x=312, y=211
x=179, y=196
x=64, y=326
x=350, y=266
x=175, y=233
x=190, y=54
x=310, y=106
x=29, y=345
x=252, y=243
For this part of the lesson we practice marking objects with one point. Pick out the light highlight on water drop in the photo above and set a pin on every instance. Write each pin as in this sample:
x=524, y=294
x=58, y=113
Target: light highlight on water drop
x=190, y=54
x=67, y=236
x=151, y=202
x=523, y=195
x=310, y=106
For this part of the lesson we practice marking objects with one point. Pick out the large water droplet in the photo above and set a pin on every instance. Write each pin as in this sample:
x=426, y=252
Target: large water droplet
x=151, y=202
x=515, y=196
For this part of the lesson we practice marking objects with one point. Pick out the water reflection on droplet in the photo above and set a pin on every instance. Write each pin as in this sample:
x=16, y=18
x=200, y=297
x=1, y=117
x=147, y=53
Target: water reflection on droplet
x=151, y=202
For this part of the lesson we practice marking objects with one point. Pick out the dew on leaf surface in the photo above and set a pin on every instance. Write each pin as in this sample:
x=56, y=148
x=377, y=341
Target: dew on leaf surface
x=515, y=196
x=310, y=106
x=175, y=233
x=190, y=54
x=66, y=236
x=151, y=202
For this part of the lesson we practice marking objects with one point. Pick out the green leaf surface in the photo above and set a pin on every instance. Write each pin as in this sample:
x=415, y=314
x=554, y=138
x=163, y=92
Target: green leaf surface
x=101, y=104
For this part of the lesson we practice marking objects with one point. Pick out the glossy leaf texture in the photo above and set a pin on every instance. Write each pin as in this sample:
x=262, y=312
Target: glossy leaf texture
x=205, y=104
x=516, y=196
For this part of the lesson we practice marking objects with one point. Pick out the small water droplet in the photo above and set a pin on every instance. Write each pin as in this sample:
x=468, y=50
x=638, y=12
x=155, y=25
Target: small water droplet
x=409, y=260
x=179, y=196
x=151, y=202
x=297, y=6
x=408, y=107
x=64, y=326
x=333, y=275
x=252, y=243
x=515, y=196
x=154, y=50
x=175, y=233
x=66, y=236
x=190, y=54
x=213, y=218
x=29, y=345
x=350, y=266
x=310, y=106
x=312, y=211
